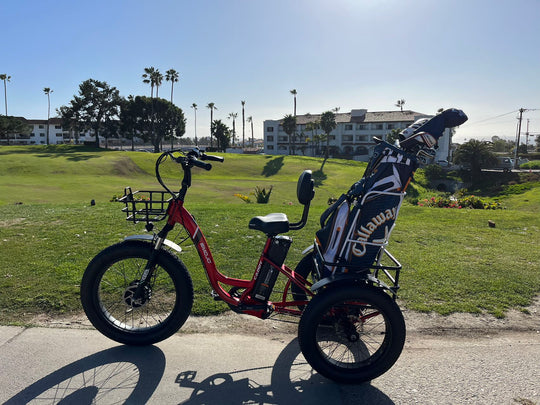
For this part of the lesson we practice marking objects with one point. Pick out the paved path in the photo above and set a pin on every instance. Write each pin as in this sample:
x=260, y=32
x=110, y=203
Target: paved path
x=55, y=365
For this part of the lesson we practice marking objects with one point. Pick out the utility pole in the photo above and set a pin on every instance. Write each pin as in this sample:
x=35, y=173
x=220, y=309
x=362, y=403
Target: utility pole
x=521, y=110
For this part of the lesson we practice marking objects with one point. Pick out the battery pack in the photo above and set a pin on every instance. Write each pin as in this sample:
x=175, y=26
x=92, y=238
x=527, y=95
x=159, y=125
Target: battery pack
x=267, y=275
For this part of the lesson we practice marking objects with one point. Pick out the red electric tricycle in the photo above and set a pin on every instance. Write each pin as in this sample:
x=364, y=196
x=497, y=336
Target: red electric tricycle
x=139, y=291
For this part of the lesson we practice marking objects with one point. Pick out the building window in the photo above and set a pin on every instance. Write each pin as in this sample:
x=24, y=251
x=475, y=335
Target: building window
x=269, y=129
x=379, y=126
x=361, y=127
x=58, y=127
x=348, y=127
x=41, y=126
x=347, y=138
x=270, y=138
x=390, y=126
x=283, y=138
x=270, y=147
x=361, y=150
x=41, y=134
x=362, y=138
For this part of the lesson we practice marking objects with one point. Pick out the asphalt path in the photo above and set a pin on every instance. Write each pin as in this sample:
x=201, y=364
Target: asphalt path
x=79, y=365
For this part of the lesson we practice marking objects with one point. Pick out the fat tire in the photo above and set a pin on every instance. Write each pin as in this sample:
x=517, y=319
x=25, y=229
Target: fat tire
x=368, y=358
x=305, y=268
x=159, y=317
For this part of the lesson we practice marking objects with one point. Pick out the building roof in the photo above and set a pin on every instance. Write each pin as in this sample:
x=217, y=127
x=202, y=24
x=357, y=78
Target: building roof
x=52, y=121
x=359, y=116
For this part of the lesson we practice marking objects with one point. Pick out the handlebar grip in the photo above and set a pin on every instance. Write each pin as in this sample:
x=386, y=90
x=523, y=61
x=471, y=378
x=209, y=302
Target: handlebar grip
x=212, y=157
x=202, y=165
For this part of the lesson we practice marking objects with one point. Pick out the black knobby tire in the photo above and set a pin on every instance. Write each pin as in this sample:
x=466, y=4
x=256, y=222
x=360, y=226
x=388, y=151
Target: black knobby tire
x=305, y=268
x=351, y=333
x=110, y=280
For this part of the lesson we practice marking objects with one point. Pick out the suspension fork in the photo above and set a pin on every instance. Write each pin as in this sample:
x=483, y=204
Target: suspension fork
x=151, y=263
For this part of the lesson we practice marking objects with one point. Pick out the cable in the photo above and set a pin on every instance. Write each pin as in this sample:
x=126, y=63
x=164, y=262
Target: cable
x=492, y=118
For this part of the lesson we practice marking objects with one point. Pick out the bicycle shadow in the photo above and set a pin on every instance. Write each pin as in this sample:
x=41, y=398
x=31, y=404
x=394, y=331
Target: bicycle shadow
x=122, y=374
x=292, y=381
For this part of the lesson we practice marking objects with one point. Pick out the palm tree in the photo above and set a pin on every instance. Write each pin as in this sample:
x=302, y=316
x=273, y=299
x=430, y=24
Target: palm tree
x=148, y=78
x=233, y=117
x=157, y=77
x=400, y=104
x=328, y=124
x=194, y=106
x=313, y=126
x=289, y=126
x=212, y=107
x=294, y=93
x=243, y=124
x=48, y=91
x=250, y=120
x=477, y=155
x=5, y=78
x=172, y=76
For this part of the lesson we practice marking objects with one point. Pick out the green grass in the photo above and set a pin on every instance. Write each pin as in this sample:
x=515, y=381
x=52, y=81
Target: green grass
x=453, y=262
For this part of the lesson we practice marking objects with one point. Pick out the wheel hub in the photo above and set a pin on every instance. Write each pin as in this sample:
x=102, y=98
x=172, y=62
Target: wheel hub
x=129, y=294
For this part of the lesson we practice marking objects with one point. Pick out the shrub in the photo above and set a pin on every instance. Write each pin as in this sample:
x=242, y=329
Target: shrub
x=262, y=195
x=471, y=202
x=243, y=197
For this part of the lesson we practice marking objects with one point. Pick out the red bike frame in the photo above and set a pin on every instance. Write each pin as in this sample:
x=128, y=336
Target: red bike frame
x=178, y=214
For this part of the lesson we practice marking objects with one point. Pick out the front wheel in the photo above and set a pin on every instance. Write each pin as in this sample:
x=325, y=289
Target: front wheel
x=351, y=334
x=109, y=284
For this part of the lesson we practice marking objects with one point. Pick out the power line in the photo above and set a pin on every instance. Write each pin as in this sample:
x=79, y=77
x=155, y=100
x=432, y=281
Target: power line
x=492, y=118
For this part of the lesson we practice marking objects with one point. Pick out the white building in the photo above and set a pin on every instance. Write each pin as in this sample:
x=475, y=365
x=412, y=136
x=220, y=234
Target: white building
x=57, y=134
x=352, y=138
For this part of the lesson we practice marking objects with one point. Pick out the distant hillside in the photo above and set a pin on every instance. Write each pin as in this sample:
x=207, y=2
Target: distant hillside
x=54, y=174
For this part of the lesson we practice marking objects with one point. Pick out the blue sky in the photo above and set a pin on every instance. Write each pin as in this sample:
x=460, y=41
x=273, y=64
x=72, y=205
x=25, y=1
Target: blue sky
x=478, y=55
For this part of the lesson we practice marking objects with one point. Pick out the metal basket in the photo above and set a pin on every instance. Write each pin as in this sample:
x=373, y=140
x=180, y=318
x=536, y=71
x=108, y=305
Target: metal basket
x=145, y=205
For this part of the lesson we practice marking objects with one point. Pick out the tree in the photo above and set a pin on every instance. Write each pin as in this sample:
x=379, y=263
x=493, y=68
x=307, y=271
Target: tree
x=313, y=126
x=154, y=119
x=328, y=124
x=243, y=124
x=476, y=155
x=294, y=93
x=289, y=126
x=393, y=135
x=171, y=75
x=233, y=116
x=250, y=120
x=537, y=141
x=149, y=78
x=128, y=120
x=96, y=104
x=13, y=125
x=157, y=78
x=400, y=104
x=222, y=134
x=5, y=78
x=212, y=107
x=194, y=106
x=48, y=91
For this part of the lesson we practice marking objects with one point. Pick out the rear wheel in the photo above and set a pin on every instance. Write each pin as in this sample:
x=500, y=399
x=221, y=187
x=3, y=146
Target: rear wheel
x=351, y=334
x=109, y=284
x=305, y=268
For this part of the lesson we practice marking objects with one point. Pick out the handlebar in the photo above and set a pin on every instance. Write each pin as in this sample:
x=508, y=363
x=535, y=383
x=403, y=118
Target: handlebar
x=187, y=160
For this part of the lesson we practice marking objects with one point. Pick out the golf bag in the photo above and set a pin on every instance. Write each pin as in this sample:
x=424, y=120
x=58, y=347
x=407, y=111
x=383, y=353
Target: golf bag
x=359, y=223
x=356, y=228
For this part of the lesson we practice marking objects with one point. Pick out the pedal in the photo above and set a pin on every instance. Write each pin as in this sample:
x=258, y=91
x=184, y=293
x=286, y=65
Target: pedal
x=215, y=296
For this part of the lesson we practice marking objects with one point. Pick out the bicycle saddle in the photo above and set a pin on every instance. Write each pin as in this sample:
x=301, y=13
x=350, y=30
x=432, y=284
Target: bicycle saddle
x=271, y=224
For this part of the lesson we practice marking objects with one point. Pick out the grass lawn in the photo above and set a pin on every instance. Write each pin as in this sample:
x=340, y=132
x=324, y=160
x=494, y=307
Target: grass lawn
x=453, y=262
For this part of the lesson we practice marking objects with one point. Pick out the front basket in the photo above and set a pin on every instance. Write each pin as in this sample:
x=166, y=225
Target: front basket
x=144, y=205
